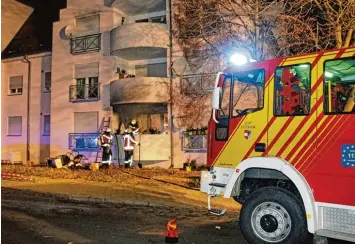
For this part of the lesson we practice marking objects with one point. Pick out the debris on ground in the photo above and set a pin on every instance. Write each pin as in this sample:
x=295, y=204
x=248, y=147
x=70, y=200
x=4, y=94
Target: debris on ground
x=115, y=175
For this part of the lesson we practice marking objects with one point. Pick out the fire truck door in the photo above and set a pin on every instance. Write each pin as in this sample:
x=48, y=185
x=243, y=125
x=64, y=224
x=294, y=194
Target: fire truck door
x=330, y=168
x=241, y=133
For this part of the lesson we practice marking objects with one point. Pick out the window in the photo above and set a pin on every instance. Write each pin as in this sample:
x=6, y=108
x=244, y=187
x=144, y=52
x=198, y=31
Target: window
x=292, y=90
x=46, y=125
x=248, y=92
x=80, y=88
x=339, y=86
x=47, y=81
x=224, y=112
x=160, y=19
x=14, y=126
x=153, y=123
x=15, y=85
x=87, y=82
x=93, y=87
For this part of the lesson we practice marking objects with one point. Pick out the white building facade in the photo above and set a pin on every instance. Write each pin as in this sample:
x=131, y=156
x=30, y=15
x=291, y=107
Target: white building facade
x=110, y=60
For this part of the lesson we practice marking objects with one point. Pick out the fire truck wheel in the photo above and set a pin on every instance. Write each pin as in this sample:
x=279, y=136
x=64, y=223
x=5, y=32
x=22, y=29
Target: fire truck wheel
x=273, y=215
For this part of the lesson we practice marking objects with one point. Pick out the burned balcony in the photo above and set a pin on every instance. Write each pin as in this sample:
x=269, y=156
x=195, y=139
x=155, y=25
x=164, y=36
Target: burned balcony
x=84, y=93
x=85, y=44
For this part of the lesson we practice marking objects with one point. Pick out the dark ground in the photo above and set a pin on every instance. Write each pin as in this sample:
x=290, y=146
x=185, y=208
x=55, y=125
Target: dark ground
x=30, y=217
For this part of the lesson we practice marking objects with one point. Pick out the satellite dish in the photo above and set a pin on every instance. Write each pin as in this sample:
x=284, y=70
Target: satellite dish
x=67, y=32
x=69, y=29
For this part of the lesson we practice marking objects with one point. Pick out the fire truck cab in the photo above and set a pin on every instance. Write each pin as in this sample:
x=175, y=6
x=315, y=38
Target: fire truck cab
x=281, y=142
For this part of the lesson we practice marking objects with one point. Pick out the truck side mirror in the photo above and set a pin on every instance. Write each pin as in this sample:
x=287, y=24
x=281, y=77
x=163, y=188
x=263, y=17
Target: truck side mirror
x=216, y=98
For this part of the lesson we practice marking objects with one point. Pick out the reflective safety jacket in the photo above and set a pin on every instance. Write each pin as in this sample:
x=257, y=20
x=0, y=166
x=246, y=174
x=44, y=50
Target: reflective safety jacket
x=128, y=141
x=106, y=139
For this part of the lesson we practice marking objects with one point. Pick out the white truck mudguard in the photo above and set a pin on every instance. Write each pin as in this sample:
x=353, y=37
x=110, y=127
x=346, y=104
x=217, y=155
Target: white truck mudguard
x=226, y=179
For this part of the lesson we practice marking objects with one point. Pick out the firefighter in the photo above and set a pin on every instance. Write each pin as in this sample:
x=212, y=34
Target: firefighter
x=128, y=147
x=134, y=126
x=106, y=140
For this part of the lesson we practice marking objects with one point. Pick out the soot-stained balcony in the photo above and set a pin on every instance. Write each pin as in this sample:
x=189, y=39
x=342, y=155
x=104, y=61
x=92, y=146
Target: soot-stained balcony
x=139, y=41
x=139, y=90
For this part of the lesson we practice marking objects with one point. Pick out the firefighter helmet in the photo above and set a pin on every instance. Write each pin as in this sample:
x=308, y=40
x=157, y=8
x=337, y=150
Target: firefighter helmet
x=133, y=121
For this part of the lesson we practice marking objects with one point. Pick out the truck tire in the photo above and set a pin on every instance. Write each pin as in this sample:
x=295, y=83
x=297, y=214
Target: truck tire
x=273, y=215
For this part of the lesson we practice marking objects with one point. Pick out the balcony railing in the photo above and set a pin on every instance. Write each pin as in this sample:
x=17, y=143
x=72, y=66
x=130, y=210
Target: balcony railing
x=194, y=142
x=82, y=93
x=83, y=142
x=197, y=84
x=85, y=44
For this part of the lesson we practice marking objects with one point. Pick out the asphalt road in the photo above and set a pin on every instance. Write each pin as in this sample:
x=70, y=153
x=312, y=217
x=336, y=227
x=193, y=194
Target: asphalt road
x=30, y=217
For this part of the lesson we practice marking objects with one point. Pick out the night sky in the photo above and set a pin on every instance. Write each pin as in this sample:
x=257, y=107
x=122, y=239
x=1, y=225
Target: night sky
x=36, y=34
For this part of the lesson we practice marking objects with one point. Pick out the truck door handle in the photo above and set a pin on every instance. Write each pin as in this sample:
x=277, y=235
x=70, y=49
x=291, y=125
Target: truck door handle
x=260, y=147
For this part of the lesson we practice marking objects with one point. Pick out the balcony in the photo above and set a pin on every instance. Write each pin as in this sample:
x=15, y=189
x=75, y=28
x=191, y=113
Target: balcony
x=85, y=44
x=139, y=90
x=197, y=84
x=84, y=93
x=137, y=7
x=83, y=142
x=153, y=147
x=139, y=41
x=193, y=142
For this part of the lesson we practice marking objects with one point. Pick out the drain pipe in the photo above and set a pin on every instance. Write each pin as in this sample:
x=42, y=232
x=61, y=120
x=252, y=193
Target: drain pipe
x=26, y=60
x=171, y=86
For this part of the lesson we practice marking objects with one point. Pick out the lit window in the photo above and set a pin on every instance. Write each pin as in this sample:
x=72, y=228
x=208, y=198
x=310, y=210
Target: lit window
x=292, y=90
x=339, y=86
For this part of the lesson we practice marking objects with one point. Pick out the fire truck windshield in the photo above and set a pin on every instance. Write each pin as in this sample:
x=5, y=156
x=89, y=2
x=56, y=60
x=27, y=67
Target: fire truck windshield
x=248, y=92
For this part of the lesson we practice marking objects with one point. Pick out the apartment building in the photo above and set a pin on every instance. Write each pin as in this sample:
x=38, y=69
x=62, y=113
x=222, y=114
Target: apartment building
x=25, y=108
x=110, y=60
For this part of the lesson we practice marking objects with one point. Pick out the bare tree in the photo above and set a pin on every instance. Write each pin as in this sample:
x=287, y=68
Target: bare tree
x=215, y=27
x=332, y=21
x=267, y=28
x=208, y=30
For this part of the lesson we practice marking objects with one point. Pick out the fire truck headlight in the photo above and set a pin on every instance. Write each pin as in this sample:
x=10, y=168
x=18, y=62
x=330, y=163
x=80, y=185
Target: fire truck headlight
x=238, y=59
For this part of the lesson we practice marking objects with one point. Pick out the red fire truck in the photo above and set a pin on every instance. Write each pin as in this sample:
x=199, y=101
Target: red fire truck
x=281, y=142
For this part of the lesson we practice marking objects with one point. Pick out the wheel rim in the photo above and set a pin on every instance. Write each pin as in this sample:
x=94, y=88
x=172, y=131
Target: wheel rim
x=271, y=222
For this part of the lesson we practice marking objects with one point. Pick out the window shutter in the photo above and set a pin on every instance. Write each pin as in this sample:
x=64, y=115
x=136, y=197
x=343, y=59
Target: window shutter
x=15, y=82
x=88, y=25
x=15, y=125
x=86, y=122
x=87, y=70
